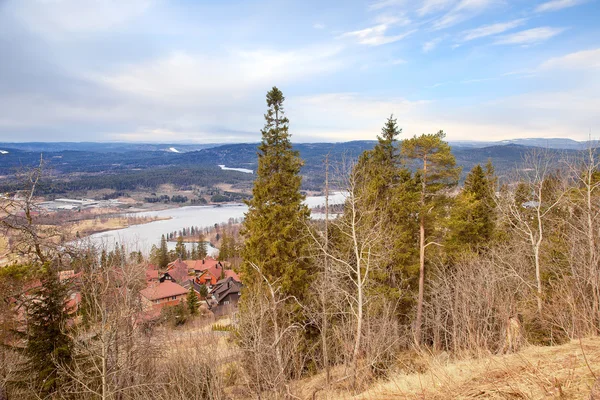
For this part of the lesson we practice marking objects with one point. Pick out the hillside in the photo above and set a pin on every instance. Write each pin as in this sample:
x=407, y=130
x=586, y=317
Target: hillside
x=558, y=372
x=121, y=168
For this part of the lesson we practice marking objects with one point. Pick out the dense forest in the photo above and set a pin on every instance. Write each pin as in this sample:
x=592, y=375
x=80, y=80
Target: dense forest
x=426, y=256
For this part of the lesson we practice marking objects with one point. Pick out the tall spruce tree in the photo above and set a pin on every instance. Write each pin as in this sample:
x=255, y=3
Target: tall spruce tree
x=276, y=216
x=180, y=249
x=392, y=191
x=201, y=251
x=48, y=345
x=436, y=171
x=163, y=253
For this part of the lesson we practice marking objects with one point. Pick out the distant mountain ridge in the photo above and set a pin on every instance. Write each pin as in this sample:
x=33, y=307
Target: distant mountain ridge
x=548, y=143
x=121, y=147
x=114, y=164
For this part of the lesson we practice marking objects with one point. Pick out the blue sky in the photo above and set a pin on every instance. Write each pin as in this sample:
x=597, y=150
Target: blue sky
x=198, y=71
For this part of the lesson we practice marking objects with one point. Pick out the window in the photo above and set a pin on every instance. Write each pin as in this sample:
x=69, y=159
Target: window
x=174, y=298
x=226, y=302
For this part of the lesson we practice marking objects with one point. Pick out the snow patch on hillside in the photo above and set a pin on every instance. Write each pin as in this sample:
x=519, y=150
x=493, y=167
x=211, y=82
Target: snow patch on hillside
x=3, y=152
x=173, y=150
x=244, y=170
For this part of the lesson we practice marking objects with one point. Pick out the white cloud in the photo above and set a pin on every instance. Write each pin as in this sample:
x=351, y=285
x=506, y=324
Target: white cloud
x=492, y=29
x=530, y=36
x=432, y=6
x=376, y=35
x=318, y=25
x=464, y=10
x=586, y=59
x=555, y=5
x=60, y=18
x=349, y=116
x=182, y=76
x=430, y=45
x=378, y=5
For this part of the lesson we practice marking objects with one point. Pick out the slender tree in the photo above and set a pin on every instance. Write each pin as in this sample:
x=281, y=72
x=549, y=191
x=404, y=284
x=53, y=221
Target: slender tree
x=180, y=248
x=48, y=346
x=390, y=193
x=163, y=253
x=436, y=171
x=276, y=219
x=201, y=250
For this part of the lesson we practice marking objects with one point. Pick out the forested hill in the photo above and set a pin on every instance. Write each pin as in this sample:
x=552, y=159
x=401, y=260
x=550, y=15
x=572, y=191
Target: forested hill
x=148, y=168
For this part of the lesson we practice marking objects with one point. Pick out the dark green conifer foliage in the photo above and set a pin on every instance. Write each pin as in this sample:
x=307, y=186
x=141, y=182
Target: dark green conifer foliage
x=473, y=219
x=192, y=301
x=276, y=218
x=163, y=253
x=391, y=190
x=180, y=248
x=48, y=345
x=201, y=250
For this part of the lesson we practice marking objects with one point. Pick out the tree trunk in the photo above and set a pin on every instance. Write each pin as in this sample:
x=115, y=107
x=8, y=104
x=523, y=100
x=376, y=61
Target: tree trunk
x=419, y=319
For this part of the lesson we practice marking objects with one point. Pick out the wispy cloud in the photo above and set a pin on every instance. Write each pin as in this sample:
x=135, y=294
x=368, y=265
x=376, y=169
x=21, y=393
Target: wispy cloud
x=555, y=5
x=380, y=4
x=432, y=6
x=318, y=25
x=430, y=45
x=530, y=36
x=586, y=59
x=464, y=10
x=377, y=35
x=493, y=29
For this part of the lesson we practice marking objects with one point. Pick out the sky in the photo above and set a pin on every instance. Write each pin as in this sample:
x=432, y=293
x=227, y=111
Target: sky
x=198, y=71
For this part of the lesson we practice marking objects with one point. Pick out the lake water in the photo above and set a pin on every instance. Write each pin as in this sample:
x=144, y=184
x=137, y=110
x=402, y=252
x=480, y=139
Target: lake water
x=142, y=237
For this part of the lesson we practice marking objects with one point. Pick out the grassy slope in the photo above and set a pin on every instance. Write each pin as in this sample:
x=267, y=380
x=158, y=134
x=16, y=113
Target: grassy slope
x=559, y=372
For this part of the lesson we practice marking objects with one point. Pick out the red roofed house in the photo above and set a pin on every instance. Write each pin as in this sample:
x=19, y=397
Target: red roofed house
x=166, y=293
x=152, y=276
x=209, y=271
x=177, y=271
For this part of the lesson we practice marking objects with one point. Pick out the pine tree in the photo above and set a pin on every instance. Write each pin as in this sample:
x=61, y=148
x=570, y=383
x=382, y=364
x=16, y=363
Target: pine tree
x=180, y=248
x=192, y=301
x=201, y=251
x=48, y=346
x=163, y=254
x=194, y=252
x=436, y=171
x=277, y=216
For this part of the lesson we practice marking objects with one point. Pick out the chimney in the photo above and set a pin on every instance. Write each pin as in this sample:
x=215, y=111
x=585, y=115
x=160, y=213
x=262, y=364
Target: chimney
x=203, y=261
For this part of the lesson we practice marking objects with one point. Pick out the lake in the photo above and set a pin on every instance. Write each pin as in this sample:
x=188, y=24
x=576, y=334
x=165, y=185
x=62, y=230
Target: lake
x=142, y=237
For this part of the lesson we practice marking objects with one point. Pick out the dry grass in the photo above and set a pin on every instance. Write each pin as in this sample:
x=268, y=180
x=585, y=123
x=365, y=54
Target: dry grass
x=559, y=372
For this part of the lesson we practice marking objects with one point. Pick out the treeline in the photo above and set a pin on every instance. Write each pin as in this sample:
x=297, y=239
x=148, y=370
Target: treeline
x=202, y=176
x=166, y=199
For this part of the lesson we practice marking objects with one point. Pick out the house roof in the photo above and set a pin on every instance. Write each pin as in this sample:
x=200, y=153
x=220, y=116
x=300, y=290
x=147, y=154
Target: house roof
x=225, y=287
x=192, y=283
x=178, y=270
x=151, y=274
x=229, y=273
x=163, y=290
